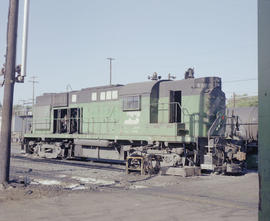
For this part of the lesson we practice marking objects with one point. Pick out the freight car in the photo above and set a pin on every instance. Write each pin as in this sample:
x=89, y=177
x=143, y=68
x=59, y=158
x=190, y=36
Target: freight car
x=242, y=125
x=152, y=124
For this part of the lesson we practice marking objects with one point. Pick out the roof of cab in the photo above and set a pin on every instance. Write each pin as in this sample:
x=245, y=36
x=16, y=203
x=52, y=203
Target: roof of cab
x=142, y=88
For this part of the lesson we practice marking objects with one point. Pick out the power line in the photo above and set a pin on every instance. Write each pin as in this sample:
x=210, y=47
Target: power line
x=33, y=81
x=241, y=80
x=237, y=97
x=249, y=93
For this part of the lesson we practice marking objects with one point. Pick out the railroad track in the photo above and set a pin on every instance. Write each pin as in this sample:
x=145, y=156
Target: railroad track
x=90, y=164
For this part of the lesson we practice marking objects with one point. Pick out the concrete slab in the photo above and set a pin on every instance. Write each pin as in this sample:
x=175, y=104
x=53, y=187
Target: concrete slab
x=181, y=171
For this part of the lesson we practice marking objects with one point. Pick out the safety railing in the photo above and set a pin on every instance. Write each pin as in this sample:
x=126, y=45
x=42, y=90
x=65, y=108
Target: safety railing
x=173, y=106
x=217, y=122
x=93, y=126
x=41, y=124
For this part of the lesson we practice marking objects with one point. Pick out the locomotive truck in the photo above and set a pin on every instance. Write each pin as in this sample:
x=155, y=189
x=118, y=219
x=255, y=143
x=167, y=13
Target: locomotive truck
x=148, y=125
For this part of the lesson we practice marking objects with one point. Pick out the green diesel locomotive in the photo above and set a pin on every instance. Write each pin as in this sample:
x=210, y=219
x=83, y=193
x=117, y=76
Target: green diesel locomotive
x=153, y=124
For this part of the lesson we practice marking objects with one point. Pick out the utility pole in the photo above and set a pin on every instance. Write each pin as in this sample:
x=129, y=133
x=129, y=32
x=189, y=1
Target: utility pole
x=23, y=121
x=10, y=68
x=234, y=100
x=33, y=81
x=111, y=59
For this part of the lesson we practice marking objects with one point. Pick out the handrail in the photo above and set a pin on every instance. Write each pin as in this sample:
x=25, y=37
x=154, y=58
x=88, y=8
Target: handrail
x=214, y=125
x=183, y=109
x=48, y=121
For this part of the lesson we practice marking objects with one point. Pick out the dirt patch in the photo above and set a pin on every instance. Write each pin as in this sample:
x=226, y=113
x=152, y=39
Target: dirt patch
x=18, y=190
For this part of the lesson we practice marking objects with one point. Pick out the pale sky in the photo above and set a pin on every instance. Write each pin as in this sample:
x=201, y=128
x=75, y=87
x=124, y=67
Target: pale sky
x=70, y=40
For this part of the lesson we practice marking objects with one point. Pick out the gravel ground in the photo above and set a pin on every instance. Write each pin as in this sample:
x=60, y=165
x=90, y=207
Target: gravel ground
x=79, y=190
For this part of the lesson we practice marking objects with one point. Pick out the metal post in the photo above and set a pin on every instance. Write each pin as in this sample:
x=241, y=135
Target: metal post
x=33, y=90
x=234, y=100
x=264, y=107
x=25, y=37
x=110, y=59
x=23, y=120
x=8, y=91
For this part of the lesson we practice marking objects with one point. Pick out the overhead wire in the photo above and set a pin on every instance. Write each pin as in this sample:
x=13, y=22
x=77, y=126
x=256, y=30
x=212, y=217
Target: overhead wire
x=241, y=80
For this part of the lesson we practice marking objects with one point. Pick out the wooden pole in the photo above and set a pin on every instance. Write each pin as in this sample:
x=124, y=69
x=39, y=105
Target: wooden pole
x=10, y=67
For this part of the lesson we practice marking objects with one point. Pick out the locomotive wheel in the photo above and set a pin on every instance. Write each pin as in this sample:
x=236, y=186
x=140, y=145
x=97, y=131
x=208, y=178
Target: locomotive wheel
x=151, y=164
x=135, y=163
x=29, y=147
